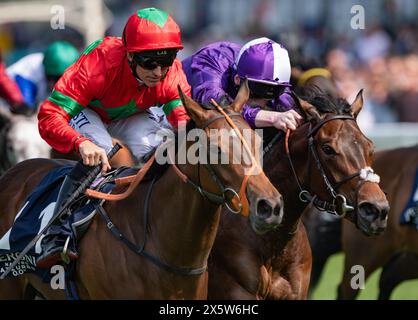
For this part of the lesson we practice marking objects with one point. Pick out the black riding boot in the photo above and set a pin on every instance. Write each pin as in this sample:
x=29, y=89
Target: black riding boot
x=56, y=242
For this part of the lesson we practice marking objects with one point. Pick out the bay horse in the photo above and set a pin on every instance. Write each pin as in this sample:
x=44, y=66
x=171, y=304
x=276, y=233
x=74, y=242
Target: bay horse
x=331, y=158
x=401, y=263
x=324, y=231
x=182, y=221
x=397, y=250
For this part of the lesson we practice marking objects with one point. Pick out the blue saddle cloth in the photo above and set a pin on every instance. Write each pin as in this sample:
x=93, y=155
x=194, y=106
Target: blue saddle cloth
x=409, y=215
x=35, y=213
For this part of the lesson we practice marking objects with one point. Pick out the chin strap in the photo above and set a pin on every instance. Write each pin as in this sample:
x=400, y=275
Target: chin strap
x=132, y=65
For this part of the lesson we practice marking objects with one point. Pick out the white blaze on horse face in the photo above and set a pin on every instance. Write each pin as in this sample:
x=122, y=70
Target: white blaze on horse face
x=26, y=140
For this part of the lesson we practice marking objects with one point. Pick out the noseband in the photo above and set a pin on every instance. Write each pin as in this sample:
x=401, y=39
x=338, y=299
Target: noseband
x=365, y=174
x=238, y=199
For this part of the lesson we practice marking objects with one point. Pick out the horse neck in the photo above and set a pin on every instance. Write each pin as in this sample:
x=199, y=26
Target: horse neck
x=184, y=224
x=280, y=174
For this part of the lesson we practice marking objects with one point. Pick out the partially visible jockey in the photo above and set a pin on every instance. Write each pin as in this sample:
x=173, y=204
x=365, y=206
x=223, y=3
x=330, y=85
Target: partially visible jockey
x=9, y=91
x=37, y=73
x=217, y=70
x=125, y=88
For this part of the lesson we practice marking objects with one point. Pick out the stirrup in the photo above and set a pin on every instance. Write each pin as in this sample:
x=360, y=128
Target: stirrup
x=64, y=254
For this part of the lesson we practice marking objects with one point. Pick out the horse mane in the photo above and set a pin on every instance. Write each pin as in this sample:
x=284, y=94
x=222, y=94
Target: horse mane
x=324, y=102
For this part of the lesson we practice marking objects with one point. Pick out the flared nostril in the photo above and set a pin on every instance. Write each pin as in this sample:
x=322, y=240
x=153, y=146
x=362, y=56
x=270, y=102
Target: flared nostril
x=374, y=211
x=369, y=210
x=384, y=213
x=264, y=209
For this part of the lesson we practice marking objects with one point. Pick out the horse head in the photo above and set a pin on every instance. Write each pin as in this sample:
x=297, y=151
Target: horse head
x=234, y=169
x=339, y=165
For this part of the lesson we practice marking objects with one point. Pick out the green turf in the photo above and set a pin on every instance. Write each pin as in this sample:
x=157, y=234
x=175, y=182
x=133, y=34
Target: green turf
x=332, y=274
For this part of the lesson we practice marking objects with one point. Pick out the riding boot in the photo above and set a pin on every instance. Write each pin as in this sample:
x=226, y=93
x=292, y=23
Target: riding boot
x=56, y=242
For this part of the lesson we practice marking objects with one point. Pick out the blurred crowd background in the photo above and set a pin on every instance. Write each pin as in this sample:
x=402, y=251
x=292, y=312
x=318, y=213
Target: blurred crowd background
x=382, y=58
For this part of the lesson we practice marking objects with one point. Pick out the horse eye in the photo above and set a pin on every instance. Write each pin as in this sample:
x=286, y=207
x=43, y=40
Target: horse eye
x=328, y=150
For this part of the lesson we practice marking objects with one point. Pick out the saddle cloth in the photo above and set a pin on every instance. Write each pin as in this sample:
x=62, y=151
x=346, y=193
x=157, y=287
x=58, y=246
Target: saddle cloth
x=37, y=211
x=410, y=213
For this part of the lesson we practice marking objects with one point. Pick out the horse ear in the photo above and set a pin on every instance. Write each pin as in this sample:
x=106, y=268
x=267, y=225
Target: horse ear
x=242, y=96
x=308, y=110
x=357, y=105
x=194, y=110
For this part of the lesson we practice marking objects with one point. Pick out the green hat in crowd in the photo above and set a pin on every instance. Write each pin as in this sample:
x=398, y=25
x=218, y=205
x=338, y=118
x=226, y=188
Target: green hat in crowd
x=59, y=56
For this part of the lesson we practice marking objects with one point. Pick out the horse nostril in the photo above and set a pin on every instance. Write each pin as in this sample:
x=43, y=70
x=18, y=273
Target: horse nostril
x=374, y=212
x=384, y=213
x=264, y=209
x=277, y=210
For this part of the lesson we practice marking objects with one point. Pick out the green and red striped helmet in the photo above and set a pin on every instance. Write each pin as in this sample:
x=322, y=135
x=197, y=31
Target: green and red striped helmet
x=151, y=29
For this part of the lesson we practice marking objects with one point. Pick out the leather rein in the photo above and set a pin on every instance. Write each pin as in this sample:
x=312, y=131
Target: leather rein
x=365, y=174
x=240, y=197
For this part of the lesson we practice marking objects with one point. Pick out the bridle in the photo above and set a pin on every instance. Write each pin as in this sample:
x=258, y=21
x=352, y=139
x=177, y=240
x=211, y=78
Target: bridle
x=239, y=199
x=365, y=174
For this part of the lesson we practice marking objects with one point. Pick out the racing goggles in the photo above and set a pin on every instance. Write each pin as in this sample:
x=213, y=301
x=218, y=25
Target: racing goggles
x=265, y=90
x=156, y=58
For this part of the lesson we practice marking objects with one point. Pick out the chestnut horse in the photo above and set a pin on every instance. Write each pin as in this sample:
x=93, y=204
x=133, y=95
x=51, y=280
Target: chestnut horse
x=182, y=221
x=330, y=161
x=397, y=249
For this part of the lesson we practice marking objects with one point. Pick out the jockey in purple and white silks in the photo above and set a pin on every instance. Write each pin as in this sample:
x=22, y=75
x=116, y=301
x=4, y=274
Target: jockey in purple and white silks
x=216, y=71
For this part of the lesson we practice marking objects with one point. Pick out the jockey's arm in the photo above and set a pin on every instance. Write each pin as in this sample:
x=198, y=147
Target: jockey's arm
x=79, y=85
x=283, y=117
x=9, y=89
x=55, y=130
x=281, y=120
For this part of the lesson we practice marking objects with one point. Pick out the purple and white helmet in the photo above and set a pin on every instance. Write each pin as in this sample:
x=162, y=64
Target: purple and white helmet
x=263, y=60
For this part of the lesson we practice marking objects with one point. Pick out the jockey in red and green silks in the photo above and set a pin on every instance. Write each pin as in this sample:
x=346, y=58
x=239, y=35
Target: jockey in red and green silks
x=126, y=88
x=105, y=81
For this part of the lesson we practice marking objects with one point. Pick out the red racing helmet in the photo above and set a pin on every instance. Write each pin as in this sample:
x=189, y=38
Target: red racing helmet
x=151, y=29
